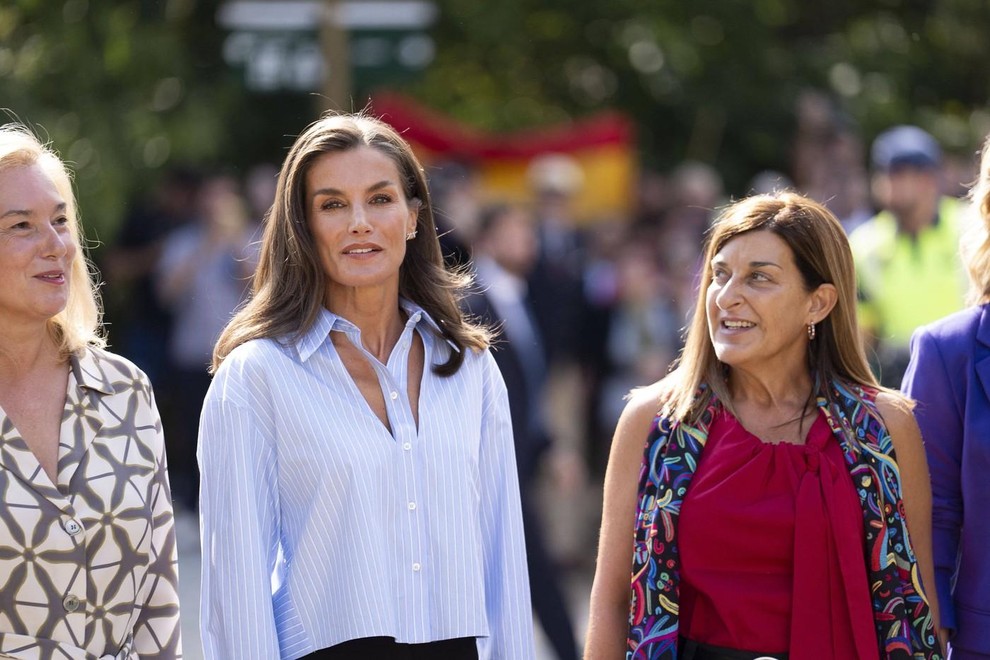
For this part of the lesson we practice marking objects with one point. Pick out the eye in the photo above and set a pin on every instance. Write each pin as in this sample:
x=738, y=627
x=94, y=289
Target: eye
x=23, y=224
x=759, y=276
x=61, y=221
x=381, y=198
x=719, y=275
x=331, y=204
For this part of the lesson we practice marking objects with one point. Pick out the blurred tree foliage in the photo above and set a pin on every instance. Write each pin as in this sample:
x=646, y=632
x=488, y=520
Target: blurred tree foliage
x=714, y=80
x=125, y=87
x=121, y=89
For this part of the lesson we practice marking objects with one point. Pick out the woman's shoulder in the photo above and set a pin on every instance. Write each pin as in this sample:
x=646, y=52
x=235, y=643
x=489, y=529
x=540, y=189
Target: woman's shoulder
x=896, y=409
x=249, y=368
x=959, y=327
x=116, y=372
x=893, y=410
x=255, y=354
x=644, y=404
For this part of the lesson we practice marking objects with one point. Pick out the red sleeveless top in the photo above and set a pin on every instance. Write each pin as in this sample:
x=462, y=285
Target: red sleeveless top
x=771, y=544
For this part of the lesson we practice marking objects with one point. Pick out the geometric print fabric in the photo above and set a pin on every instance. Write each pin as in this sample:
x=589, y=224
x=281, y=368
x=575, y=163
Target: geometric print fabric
x=88, y=566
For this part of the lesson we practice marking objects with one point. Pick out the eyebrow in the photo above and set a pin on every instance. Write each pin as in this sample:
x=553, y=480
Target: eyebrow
x=333, y=191
x=59, y=208
x=752, y=264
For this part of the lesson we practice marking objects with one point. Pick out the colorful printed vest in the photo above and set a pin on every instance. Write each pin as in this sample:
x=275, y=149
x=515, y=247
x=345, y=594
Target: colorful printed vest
x=901, y=614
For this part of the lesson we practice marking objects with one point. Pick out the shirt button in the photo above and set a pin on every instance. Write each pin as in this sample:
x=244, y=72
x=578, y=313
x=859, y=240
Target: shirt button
x=72, y=527
x=416, y=566
x=407, y=446
x=412, y=506
x=394, y=395
x=71, y=603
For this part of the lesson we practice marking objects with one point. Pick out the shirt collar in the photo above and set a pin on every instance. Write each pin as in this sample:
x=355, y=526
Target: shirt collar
x=327, y=321
x=89, y=372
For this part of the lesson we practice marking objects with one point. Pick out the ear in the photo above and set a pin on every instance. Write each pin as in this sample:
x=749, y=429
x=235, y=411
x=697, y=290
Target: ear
x=415, y=205
x=823, y=299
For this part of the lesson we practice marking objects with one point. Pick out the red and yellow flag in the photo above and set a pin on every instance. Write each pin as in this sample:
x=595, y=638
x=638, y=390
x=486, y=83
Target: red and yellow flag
x=601, y=145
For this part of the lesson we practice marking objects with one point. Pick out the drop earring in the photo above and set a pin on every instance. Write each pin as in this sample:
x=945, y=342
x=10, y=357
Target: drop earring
x=811, y=332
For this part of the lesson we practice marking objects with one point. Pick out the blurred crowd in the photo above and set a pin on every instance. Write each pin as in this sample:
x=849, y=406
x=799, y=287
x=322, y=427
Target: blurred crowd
x=606, y=298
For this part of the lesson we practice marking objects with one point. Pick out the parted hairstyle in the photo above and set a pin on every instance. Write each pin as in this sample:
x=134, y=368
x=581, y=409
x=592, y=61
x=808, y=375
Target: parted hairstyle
x=290, y=286
x=78, y=325
x=976, y=241
x=822, y=255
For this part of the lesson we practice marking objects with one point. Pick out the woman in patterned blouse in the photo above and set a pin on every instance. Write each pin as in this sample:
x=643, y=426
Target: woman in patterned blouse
x=87, y=548
x=767, y=499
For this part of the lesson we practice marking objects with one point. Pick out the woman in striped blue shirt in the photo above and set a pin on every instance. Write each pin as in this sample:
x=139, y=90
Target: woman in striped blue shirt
x=359, y=490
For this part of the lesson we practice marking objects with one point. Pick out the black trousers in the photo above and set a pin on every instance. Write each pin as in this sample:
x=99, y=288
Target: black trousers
x=386, y=648
x=691, y=650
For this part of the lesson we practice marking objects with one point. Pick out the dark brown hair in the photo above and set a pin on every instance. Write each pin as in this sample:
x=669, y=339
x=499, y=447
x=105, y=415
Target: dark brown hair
x=290, y=286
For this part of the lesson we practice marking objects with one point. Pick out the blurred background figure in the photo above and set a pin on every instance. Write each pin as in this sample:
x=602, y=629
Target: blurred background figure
x=504, y=252
x=201, y=278
x=644, y=326
x=828, y=159
x=907, y=264
x=948, y=376
x=766, y=182
x=259, y=191
x=697, y=191
x=555, y=280
x=456, y=195
x=141, y=322
x=564, y=316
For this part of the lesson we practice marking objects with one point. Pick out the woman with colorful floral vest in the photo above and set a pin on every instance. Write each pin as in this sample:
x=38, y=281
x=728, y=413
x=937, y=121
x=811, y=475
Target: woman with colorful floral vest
x=780, y=506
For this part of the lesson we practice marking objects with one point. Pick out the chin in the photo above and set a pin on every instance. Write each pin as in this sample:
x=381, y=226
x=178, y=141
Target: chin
x=734, y=359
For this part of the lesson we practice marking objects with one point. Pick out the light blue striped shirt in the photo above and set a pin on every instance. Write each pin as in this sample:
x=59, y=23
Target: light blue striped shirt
x=318, y=526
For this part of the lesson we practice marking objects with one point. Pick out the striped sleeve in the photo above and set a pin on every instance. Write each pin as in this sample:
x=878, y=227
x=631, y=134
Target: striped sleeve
x=507, y=596
x=238, y=501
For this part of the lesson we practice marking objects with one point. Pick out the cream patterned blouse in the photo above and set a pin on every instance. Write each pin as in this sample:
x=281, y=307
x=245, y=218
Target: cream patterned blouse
x=88, y=565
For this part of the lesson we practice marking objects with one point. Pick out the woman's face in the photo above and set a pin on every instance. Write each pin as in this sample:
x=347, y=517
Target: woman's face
x=359, y=217
x=758, y=308
x=36, y=249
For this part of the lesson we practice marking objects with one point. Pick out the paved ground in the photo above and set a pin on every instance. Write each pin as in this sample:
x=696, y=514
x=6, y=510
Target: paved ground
x=187, y=530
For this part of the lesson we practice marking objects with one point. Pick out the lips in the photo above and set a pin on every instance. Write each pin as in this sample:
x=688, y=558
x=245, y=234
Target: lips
x=52, y=277
x=357, y=250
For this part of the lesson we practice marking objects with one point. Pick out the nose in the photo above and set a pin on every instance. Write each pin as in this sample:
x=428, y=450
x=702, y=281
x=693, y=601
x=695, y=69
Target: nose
x=727, y=295
x=359, y=221
x=57, y=243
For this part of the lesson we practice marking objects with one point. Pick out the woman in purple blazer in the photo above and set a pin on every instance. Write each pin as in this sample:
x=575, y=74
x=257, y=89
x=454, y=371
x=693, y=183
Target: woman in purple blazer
x=949, y=376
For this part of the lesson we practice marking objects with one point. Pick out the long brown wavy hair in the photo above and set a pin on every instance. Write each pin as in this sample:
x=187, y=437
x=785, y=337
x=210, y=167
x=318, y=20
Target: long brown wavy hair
x=290, y=286
x=822, y=255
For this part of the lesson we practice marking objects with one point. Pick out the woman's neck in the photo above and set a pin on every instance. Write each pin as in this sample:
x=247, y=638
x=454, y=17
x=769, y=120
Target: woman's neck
x=377, y=316
x=24, y=350
x=767, y=390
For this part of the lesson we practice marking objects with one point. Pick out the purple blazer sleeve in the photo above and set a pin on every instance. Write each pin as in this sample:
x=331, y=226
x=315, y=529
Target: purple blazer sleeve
x=932, y=383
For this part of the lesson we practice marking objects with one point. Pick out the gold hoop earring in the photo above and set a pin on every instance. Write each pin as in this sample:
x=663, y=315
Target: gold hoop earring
x=811, y=332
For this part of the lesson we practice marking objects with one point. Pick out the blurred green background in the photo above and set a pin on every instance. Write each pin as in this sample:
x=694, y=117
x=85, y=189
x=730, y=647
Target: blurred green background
x=125, y=88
